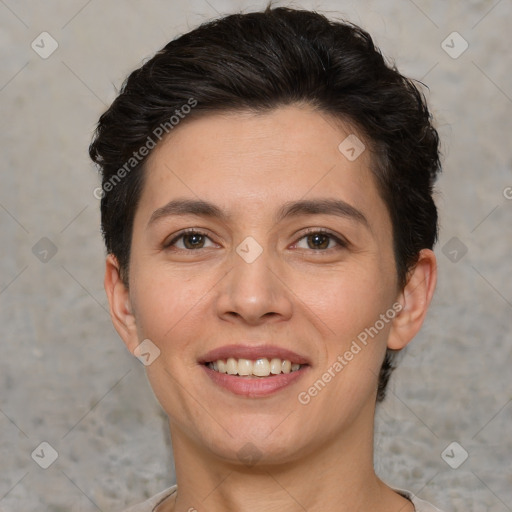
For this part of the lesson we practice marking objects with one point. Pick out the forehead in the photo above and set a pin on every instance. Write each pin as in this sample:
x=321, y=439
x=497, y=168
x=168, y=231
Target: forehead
x=249, y=163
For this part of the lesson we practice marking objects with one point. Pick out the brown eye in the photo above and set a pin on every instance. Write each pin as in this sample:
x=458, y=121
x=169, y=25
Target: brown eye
x=320, y=241
x=193, y=240
x=190, y=240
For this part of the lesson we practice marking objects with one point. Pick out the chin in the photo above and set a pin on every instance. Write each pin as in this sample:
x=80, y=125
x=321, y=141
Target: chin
x=256, y=446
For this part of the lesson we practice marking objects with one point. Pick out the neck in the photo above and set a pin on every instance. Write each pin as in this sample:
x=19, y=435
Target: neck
x=337, y=475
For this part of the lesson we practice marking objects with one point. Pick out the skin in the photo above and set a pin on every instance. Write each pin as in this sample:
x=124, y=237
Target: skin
x=315, y=301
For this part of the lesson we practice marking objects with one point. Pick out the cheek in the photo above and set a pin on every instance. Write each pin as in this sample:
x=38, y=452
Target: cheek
x=169, y=310
x=166, y=305
x=353, y=334
x=355, y=309
x=346, y=300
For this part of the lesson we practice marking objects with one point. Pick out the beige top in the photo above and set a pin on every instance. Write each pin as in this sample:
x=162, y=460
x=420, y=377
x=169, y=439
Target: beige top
x=152, y=503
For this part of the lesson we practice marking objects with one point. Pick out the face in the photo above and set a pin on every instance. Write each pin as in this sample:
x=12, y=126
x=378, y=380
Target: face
x=292, y=259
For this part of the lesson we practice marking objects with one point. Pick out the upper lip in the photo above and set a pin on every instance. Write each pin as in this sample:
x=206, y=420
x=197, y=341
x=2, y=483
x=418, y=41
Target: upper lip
x=252, y=352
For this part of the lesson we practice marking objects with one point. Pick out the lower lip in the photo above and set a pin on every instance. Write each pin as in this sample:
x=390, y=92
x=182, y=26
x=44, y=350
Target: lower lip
x=254, y=386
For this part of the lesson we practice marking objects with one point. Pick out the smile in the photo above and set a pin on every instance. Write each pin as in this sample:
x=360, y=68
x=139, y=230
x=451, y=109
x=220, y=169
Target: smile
x=253, y=371
x=262, y=367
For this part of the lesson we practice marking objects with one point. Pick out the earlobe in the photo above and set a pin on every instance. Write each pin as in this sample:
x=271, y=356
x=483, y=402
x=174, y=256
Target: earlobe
x=121, y=311
x=415, y=300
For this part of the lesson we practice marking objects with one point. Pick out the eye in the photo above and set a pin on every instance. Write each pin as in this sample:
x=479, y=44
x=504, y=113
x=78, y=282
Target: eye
x=320, y=240
x=191, y=239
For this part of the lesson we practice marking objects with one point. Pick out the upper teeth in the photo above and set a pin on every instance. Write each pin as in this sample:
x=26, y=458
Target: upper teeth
x=259, y=367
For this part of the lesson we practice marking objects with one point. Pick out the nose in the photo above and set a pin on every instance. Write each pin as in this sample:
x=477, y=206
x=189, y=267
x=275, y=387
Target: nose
x=254, y=292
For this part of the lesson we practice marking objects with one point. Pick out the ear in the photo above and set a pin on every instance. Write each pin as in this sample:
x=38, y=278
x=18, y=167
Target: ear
x=121, y=311
x=415, y=300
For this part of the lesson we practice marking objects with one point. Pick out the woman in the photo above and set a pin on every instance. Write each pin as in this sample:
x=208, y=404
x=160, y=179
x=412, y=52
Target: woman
x=268, y=216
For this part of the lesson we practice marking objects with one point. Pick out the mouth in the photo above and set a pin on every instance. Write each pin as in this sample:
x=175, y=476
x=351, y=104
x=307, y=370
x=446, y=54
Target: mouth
x=260, y=368
x=253, y=371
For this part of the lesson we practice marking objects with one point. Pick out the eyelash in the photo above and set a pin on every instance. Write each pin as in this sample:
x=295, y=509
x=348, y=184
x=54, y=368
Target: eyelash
x=312, y=231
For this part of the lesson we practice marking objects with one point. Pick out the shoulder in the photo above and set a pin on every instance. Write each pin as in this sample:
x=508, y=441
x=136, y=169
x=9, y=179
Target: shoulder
x=151, y=503
x=419, y=505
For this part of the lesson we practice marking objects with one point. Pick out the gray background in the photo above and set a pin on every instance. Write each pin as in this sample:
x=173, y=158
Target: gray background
x=65, y=376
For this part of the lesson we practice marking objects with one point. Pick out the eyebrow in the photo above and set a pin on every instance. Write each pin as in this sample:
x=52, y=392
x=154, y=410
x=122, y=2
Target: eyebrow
x=202, y=208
